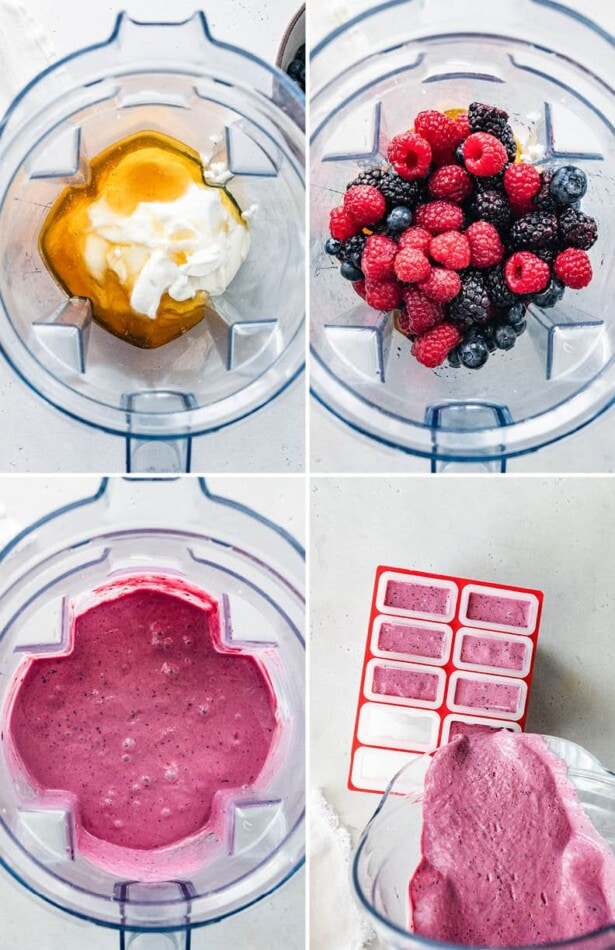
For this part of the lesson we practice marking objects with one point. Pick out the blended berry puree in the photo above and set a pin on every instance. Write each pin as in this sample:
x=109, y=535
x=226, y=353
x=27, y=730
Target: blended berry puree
x=509, y=857
x=145, y=720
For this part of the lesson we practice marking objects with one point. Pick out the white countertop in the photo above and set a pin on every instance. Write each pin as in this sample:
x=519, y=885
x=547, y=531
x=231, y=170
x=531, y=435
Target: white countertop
x=337, y=448
x=546, y=533
x=277, y=922
x=34, y=437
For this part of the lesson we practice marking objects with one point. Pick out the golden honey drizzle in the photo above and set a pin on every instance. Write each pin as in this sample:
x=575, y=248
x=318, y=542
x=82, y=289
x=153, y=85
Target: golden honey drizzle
x=147, y=166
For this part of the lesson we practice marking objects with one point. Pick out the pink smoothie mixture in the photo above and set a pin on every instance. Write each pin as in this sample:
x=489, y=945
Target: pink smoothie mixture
x=509, y=857
x=490, y=608
x=145, y=720
x=423, y=598
x=409, y=683
x=411, y=641
x=497, y=652
x=487, y=695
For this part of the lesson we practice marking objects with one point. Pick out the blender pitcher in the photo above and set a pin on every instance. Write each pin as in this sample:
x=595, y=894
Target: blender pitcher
x=390, y=847
x=549, y=67
x=254, y=571
x=173, y=78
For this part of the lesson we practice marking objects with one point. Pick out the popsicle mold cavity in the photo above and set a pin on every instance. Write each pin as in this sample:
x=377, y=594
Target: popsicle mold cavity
x=412, y=641
x=499, y=696
x=422, y=598
x=397, y=727
x=501, y=609
x=406, y=682
x=494, y=651
x=146, y=726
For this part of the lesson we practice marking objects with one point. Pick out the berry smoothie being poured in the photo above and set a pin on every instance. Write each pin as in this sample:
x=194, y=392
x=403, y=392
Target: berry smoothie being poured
x=144, y=724
x=457, y=235
x=508, y=856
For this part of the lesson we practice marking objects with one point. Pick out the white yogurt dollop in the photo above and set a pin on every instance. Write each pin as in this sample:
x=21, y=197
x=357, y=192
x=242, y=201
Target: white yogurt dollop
x=179, y=247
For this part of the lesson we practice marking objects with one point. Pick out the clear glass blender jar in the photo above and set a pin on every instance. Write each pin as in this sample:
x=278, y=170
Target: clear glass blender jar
x=176, y=79
x=256, y=573
x=369, y=78
x=390, y=848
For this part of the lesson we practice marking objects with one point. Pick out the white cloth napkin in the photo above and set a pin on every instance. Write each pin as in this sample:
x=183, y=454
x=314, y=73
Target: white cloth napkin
x=335, y=920
x=25, y=50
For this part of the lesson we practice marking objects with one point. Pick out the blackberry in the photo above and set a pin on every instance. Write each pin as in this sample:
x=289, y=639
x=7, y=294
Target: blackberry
x=568, y=184
x=498, y=291
x=489, y=119
x=491, y=206
x=547, y=254
x=472, y=302
x=534, y=230
x=399, y=192
x=577, y=229
x=507, y=138
x=544, y=200
x=483, y=118
x=552, y=295
x=371, y=176
x=351, y=250
x=493, y=183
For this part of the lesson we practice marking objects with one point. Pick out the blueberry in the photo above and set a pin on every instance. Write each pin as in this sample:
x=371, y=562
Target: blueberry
x=350, y=272
x=294, y=69
x=459, y=155
x=520, y=328
x=568, y=184
x=300, y=54
x=454, y=359
x=399, y=219
x=551, y=295
x=505, y=336
x=333, y=246
x=515, y=315
x=473, y=352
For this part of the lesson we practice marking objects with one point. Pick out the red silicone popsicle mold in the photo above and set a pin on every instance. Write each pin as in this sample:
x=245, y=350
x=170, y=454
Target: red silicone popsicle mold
x=444, y=655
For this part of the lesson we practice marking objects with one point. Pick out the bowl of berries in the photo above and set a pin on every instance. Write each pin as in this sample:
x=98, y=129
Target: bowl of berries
x=461, y=221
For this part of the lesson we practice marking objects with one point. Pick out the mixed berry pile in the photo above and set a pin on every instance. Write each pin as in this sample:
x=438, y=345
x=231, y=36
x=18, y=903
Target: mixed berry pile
x=296, y=68
x=458, y=236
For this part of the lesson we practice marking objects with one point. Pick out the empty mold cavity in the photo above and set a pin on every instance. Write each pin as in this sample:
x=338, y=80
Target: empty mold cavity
x=406, y=639
x=501, y=697
x=503, y=610
x=493, y=651
x=410, y=595
x=470, y=725
x=405, y=682
x=373, y=769
x=398, y=727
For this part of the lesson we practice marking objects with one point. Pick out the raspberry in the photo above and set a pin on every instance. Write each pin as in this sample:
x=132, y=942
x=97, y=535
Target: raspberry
x=525, y=273
x=412, y=266
x=521, y=182
x=486, y=247
x=418, y=238
x=483, y=154
x=462, y=127
x=365, y=204
x=439, y=130
x=378, y=257
x=451, y=249
x=534, y=231
x=421, y=314
x=451, y=183
x=342, y=225
x=439, y=216
x=577, y=229
x=359, y=288
x=573, y=268
x=491, y=206
x=432, y=348
x=383, y=294
x=442, y=285
x=410, y=155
